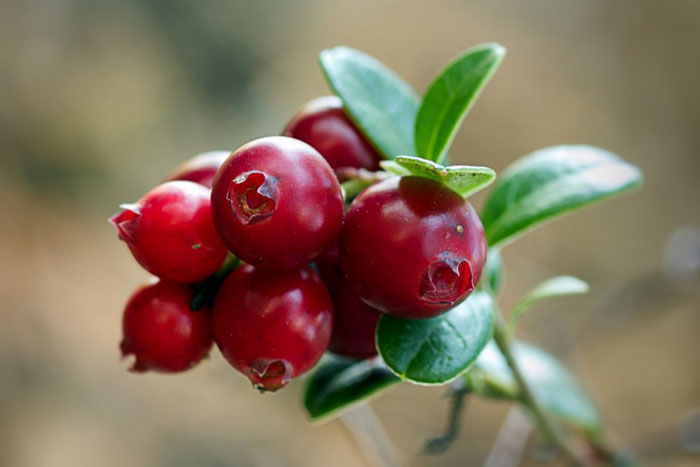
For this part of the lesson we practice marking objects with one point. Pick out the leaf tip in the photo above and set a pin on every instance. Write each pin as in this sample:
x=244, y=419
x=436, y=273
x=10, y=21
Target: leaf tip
x=499, y=49
x=495, y=49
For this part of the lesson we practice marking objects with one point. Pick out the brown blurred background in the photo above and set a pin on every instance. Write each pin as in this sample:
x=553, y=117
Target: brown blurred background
x=100, y=99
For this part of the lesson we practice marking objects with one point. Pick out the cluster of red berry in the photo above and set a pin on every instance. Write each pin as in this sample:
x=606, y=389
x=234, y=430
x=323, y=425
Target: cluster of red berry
x=315, y=276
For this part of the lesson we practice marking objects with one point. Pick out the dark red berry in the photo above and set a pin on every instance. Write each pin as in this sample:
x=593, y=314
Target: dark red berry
x=354, y=322
x=276, y=203
x=411, y=247
x=354, y=325
x=170, y=232
x=201, y=168
x=324, y=124
x=272, y=326
x=162, y=332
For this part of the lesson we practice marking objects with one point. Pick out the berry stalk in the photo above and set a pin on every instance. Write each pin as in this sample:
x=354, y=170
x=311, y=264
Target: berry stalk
x=207, y=289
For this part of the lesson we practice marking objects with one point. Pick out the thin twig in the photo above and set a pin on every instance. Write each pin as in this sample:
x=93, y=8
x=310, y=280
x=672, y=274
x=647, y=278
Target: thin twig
x=371, y=437
x=548, y=427
x=439, y=444
x=508, y=447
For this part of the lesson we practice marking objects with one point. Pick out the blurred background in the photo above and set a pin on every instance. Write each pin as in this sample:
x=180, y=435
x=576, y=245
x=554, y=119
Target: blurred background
x=100, y=99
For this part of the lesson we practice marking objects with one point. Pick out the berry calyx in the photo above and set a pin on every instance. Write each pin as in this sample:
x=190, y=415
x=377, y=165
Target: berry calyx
x=324, y=124
x=252, y=196
x=170, y=232
x=201, y=168
x=276, y=203
x=161, y=331
x=272, y=326
x=411, y=247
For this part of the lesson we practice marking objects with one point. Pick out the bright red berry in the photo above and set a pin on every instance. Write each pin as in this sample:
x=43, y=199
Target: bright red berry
x=412, y=247
x=354, y=322
x=272, y=326
x=170, y=232
x=201, y=168
x=324, y=124
x=276, y=203
x=162, y=332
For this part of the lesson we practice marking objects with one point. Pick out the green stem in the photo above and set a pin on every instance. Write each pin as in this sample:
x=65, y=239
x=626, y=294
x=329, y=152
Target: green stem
x=354, y=187
x=207, y=289
x=439, y=444
x=230, y=263
x=548, y=427
x=356, y=180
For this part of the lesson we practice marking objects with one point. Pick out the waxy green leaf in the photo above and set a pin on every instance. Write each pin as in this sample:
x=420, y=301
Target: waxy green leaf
x=554, y=387
x=555, y=287
x=439, y=349
x=493, y=276
x=380, y=103
x=338, y=382
x=450, y=96
x=551, y=182
x=463, y=179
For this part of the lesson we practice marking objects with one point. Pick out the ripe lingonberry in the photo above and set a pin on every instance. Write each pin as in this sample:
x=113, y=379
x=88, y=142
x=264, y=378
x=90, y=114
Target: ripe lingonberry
x=162, y=332
x=276, y=203
x=354, y=325
x=201, y=168
x=354, y=322
x=272, y=326
x=170, y=232
x=324, y=124
x=412, y=247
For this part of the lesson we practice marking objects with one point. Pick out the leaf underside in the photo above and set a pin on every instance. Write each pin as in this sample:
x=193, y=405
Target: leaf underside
x=338, y=383
x=559, y=286
x=465, y=180
x=555, y=388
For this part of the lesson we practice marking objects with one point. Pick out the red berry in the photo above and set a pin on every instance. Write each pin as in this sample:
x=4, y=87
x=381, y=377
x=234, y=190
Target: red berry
x=412, y=247
x=324, y=124
x=276, y=203
x=354, y=325
x=272, y=326
x=354, y=322
x=162, y=332
x=170, y=232
x=201, y=168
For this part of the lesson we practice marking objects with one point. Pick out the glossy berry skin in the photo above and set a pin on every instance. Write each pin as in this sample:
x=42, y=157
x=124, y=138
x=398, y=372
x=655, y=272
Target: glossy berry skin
x=276, y=203
x=162, y=332
x=272, y=326
x=201, y=168
x=411, y=247
x=170, y=232
x=324, y=124
x=354, y=322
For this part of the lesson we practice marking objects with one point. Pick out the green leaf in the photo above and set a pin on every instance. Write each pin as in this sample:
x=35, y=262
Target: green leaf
x=340, y=382
x=437, y=350
x=394, y=168
x=554, y=387
x=494, y=272
x=551, y=182
x=450, y=96
x=463, y=179
x=555, y=287
x=380, y=103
